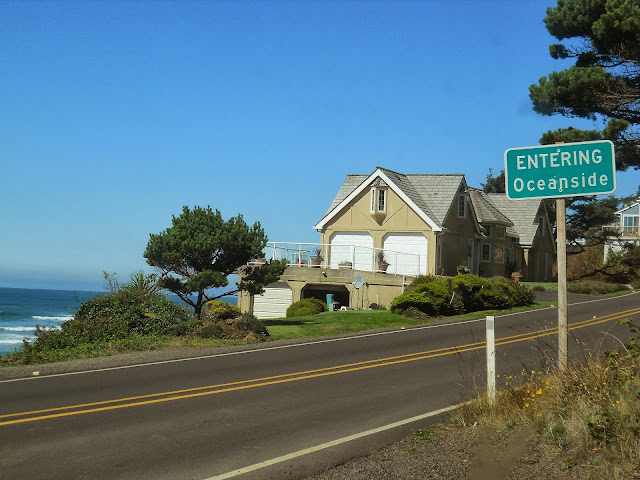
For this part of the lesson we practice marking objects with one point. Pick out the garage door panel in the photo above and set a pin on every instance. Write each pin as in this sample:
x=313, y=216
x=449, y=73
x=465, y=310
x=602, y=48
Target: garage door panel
x=273, y=303
x=352, y=247
x=411, y=256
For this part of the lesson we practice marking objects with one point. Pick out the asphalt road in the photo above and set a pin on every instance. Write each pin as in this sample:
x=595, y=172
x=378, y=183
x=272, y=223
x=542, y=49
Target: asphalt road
x=208, y=417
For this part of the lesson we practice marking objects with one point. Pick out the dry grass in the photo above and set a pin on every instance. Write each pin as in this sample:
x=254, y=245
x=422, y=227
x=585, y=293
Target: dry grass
x=589, y=414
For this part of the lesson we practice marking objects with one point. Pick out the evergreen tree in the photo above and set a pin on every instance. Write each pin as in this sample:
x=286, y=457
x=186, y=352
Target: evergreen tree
x=200, y=250
x=603, y=38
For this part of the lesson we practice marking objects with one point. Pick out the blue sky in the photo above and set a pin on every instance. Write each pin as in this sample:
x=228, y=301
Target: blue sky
x=115, y=114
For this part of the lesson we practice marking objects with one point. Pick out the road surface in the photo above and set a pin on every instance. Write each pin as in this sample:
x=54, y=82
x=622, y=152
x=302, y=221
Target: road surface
x=280, y=411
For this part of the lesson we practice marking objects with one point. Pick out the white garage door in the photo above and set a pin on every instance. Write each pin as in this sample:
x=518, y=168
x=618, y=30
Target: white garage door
x=352, y=247
x=413, y=257
x=273, y=303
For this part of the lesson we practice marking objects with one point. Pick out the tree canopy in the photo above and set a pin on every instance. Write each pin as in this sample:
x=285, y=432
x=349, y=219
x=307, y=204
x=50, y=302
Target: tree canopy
x=200, y=250
x=603, y=36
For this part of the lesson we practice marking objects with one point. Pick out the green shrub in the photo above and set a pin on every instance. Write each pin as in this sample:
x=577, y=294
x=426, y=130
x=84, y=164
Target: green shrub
x=211, y=331
x=420, y=280
x=109, y=318
x=592, y=287
x=221, y=310
x=461, y=294
x=249, y=323
x=434, y=299
x=306, y=306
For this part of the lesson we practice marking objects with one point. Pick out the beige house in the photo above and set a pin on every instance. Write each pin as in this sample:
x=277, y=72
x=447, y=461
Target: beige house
x=421, y=224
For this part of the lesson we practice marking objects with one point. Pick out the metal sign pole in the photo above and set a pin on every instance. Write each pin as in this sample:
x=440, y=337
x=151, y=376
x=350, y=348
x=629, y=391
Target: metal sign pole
x=561, y=221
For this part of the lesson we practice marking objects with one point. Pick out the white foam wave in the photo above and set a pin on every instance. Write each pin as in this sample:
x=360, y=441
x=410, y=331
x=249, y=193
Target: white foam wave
x=52, y=319
x=10, y=342
x=17, y=329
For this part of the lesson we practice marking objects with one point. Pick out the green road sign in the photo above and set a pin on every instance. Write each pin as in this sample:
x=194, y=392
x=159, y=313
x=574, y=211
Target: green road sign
x=561, y=170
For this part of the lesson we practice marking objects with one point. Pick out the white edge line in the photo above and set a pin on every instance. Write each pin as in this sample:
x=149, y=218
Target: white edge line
x=333, y=443
x=295, y=345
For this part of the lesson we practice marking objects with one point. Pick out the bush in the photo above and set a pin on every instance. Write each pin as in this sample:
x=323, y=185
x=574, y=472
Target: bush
x=306, y=306
x=113, y=317
x=211, y=331
x=592, y=287
x=249, y=323
x=460, y=294
x=420, y=280
x=221, y=310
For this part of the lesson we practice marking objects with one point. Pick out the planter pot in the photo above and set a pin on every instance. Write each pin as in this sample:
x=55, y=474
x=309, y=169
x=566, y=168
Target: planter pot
x=382, y=267
x=316, y=262
x=516, y=278
x=262, y=261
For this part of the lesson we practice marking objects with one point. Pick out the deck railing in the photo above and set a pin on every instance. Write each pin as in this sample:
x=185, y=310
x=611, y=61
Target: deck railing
x=353, y=257
x=625, y=231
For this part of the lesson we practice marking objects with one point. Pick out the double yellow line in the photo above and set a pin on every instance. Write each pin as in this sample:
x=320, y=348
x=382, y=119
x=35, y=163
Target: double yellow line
x=103, y=406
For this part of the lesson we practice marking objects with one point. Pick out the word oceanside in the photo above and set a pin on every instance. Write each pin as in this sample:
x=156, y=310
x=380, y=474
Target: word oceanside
x=571, y=169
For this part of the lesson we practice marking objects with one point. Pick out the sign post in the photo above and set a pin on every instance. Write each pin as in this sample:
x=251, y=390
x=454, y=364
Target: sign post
x=560, y=171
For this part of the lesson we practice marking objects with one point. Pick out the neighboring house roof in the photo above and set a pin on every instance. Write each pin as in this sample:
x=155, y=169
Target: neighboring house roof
x=627, y=207
x=486, y=212
x=522, y=213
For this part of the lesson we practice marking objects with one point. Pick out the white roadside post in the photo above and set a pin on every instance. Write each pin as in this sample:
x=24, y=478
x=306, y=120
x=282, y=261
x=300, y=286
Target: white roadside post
x=491, y=360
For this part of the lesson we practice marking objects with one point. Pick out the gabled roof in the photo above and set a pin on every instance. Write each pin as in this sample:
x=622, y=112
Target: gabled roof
x=627, y=207
x=430, y=196
x=486, y=212
x=522, y=213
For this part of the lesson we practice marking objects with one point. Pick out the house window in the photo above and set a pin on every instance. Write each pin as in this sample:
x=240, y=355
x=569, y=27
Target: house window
x=498, y=254
x=630, y=225
x=486, y=252
x=378, y=200
x=500, y=233
x=487, y=230
x=508, y=254
x=462, y=206
x=541, y=223
x=382, y=201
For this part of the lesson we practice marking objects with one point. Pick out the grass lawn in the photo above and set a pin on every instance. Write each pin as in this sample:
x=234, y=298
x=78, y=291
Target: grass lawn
x=548, y=286
x=336, y=323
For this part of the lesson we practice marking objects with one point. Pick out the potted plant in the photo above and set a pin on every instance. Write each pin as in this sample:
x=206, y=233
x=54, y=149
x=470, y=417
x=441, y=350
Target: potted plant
x=381, y=259
x=317, y=258
x=517, y=275
x=262, y=259
x=463, y=269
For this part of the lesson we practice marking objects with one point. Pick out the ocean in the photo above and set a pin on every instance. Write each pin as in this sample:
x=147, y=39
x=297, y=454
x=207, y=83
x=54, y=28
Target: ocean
x=21, y=309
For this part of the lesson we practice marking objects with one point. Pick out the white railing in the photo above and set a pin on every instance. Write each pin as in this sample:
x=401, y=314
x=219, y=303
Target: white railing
x=353, y=257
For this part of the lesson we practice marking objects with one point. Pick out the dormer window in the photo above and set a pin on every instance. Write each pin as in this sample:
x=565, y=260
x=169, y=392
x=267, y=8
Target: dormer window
x=462, y=206
x=378, y=200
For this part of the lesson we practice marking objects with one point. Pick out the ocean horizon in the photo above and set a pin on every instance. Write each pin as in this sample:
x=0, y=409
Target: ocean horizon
x=21, y=309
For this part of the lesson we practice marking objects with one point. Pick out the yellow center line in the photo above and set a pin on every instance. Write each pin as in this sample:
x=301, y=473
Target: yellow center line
x=291, y=377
